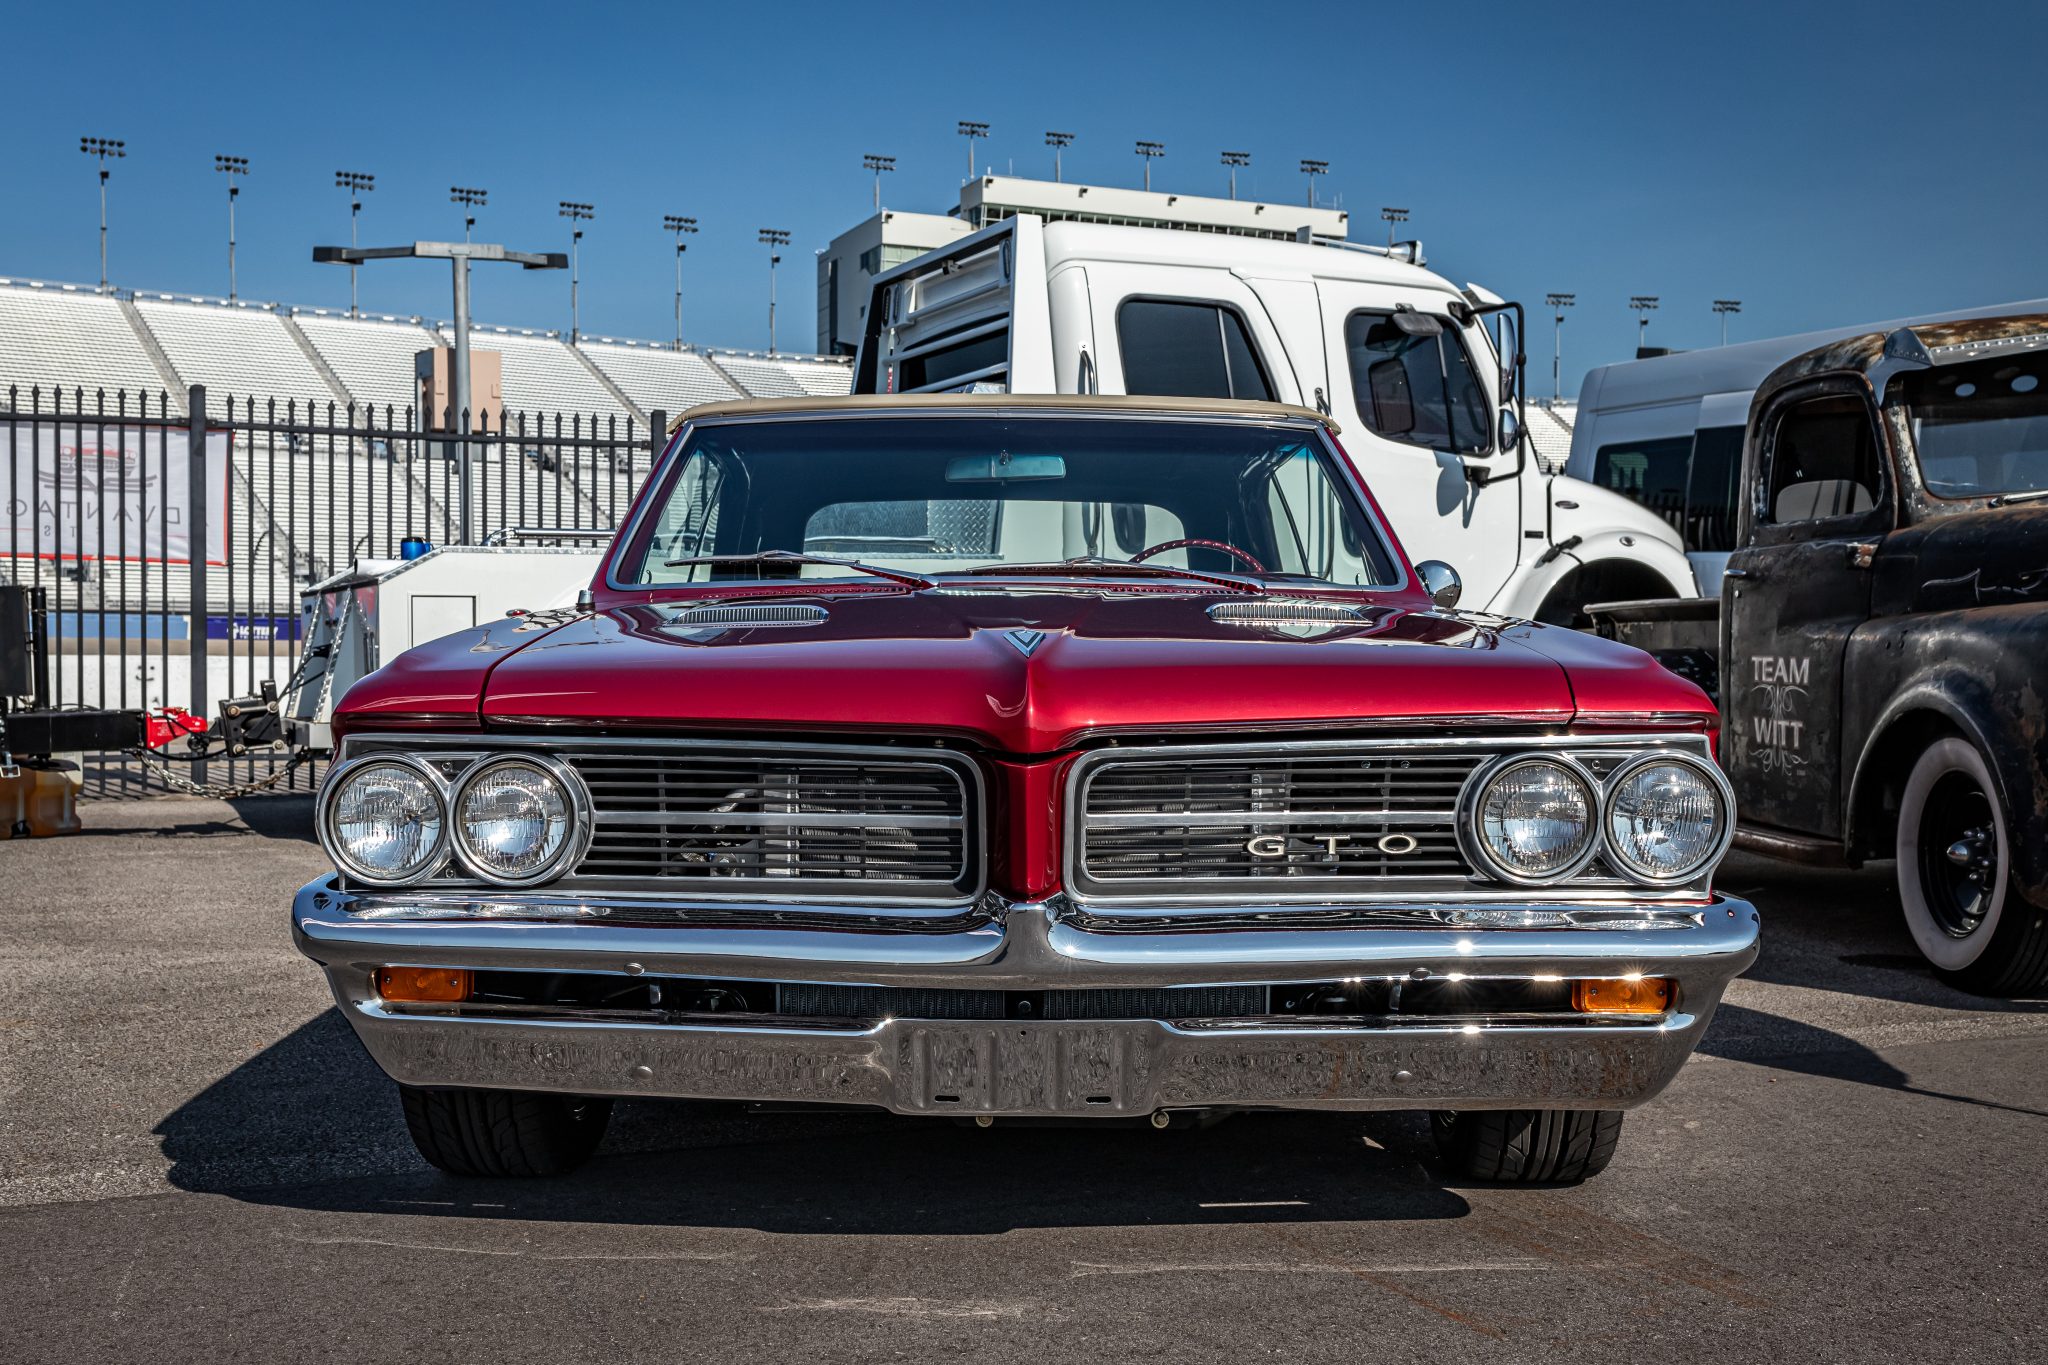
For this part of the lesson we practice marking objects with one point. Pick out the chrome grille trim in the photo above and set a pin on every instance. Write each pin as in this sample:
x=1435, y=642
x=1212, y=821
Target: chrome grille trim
x=1199, y=804
x=892, y=826
x=747, y=614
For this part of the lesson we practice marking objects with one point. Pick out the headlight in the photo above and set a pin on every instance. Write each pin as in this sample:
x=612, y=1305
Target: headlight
x=1667, y=818
x=518, y=820
x=383, y=822
x=1532, y=819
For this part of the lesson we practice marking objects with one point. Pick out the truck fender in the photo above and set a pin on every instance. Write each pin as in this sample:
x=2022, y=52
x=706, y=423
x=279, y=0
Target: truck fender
x=1643, y=566
x=1948, y=701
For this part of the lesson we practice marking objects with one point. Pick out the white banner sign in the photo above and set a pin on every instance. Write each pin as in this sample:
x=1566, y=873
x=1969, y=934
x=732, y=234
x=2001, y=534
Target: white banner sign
x=120, y=493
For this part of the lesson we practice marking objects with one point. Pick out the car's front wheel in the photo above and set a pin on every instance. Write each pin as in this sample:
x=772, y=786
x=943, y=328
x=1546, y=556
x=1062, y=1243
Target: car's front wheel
x=1965, y=916
x=501, y=1133
x=1527, y=1146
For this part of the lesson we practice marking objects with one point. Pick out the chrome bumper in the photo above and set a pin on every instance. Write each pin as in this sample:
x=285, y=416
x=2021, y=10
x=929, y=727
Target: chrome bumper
x=1010, y=1067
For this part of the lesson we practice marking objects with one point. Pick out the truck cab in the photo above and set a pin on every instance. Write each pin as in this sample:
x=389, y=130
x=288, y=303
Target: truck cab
x=1422, y=377
x=1883, y=629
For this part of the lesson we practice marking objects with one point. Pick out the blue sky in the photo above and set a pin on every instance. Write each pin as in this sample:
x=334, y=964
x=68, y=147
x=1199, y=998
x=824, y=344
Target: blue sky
x=1824, y=164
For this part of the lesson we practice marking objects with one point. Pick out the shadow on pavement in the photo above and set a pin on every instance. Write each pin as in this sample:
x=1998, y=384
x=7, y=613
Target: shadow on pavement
x=311, y=1123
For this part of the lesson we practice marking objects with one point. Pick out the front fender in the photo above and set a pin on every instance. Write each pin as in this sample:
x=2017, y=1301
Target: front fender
x=1532, y=582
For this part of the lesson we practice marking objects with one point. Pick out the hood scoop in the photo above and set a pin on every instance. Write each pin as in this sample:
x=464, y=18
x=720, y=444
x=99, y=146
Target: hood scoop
x=701, y=622
x=1299, y=617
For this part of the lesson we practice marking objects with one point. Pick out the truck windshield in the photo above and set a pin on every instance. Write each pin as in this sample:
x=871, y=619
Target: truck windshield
x=934, y=494
x=1980, y=428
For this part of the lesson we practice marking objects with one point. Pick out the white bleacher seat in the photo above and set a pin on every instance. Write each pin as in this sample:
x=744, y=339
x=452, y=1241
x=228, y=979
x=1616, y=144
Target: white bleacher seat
x=670, y=381
x=69, y=338
x=542, y=377
x=372, y=358
x=761, y=377
x=239, y=353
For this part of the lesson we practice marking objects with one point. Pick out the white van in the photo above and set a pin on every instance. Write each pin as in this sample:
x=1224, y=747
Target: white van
x=1402, y=358
x=1667, y=431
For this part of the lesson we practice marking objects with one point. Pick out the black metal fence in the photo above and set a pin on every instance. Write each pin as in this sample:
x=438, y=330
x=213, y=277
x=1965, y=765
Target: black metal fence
x=174, y=582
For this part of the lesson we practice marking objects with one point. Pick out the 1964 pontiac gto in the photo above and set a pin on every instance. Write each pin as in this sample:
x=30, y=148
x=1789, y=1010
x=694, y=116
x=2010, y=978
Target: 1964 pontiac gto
x=1052, y=757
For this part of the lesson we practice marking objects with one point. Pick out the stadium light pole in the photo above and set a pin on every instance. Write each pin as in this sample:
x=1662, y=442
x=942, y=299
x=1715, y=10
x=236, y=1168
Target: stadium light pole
x=1558, y=303
x=1149, y=152
x=1313, y=168
x=972, y=129
x=458, y=255
x=878, y=164
x=1393, y=216
x=1234, y=160
x=1724, y=307
x=231, y=166
x=1644, y=304
x=470, y=198
x=774, y=239
x=103, y=147
x=357, y=184
x=679, y=226
x=1059, y=142
x=575, y=213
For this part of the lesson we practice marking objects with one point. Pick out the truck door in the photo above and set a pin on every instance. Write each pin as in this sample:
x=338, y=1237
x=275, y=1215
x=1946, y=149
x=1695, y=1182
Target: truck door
x=1819, y=496
x=1415, y=408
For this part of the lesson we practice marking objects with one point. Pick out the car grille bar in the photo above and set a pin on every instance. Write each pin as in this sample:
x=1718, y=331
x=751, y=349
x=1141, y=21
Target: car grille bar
x=738, y=819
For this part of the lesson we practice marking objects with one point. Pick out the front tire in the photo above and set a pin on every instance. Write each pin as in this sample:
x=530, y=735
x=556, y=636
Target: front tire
x=1527, y=1146
x=1979, y=933
x=503, y=1133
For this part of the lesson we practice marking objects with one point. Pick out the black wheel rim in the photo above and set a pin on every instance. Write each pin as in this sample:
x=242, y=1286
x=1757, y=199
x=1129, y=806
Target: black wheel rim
x=1958, y=854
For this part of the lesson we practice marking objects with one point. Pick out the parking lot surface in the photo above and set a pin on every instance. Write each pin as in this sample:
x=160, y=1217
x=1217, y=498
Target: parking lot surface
x=197, y=1161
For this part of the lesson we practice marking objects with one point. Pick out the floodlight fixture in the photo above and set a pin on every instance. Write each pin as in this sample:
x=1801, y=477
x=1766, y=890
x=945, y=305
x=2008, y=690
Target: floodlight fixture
x=878, y=164
x=1312, y=168
x=103, y=148
x=1149, y=152
x=1235, y=160
x=231, y=167
x=471, y=198
x=1393, y=217
x=1724, y=307
x=1557, y=303
x=576, y=213
x=972, y=129
x=775, y=239
x=679, y=226
x=1059, y=142
x=358, y=184
x=1644, y=304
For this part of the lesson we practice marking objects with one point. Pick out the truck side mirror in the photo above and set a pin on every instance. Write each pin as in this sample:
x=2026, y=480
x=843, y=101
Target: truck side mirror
x=1441, y=582
x=1510, y=430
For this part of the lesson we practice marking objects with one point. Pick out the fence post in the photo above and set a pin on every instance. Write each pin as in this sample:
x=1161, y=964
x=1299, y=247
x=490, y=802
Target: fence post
x=195, y=552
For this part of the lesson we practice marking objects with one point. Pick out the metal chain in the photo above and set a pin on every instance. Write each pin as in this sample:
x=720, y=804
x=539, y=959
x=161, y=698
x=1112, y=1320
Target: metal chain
x=219, y=791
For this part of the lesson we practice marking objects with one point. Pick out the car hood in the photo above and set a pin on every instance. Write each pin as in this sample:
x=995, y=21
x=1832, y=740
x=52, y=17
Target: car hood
x=1017, y=668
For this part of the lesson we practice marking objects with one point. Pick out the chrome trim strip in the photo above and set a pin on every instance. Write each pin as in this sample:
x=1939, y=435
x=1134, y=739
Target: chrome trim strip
x=1145, y=819
x=780, y=820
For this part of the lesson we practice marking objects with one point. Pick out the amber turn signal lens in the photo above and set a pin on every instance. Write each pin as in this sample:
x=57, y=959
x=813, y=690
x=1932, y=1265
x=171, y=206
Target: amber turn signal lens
x=422, y=983
x=1638, y=995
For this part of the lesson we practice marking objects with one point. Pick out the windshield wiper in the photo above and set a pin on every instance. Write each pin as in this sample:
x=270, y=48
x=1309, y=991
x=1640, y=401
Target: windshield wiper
x=792, y=557
x=2024, y=495
x=1095, y=564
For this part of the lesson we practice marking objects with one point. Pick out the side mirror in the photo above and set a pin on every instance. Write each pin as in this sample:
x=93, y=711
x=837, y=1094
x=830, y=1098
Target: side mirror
x=1441, y=582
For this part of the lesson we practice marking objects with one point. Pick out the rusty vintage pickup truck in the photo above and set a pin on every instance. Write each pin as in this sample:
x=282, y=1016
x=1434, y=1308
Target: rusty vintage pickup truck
x=996, y=756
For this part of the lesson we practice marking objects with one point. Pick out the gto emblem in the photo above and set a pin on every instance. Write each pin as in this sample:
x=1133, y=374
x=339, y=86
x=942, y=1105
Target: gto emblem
x=1275, y=846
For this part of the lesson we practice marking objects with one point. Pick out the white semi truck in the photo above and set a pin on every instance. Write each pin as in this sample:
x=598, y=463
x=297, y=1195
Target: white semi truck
x=1427, y=394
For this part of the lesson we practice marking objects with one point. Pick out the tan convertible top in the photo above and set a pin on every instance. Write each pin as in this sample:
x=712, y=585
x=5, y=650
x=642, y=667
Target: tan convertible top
x=990, y=402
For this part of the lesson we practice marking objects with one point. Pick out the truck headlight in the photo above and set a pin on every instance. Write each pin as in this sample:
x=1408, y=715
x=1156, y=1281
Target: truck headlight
x=1531, y=820
x=1667, y=818
x=383, y=821
x=519, y=820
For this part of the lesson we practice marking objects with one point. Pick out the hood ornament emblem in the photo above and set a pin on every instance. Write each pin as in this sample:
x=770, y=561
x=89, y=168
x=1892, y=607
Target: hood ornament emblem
x=1026, y=641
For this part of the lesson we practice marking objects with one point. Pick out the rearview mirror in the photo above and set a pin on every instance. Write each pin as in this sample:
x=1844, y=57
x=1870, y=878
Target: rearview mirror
x=1510, y=430
x=1441, y=582
x=1004, y=468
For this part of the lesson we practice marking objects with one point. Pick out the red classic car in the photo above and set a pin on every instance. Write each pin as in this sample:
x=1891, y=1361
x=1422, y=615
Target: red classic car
x=1053, y=757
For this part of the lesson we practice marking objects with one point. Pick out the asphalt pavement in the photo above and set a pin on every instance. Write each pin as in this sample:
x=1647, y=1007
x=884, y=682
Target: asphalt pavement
x=198, y=1162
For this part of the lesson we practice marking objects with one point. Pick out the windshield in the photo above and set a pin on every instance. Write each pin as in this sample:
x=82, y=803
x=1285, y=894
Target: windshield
x=1980, y=428
x=933, y=495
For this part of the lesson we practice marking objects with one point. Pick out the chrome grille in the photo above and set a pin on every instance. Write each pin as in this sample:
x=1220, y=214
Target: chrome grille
x=735, y=819
x=1296, y=822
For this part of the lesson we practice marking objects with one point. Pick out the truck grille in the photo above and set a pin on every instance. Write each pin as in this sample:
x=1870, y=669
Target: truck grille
x=1297, y=821
x=733, y=819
